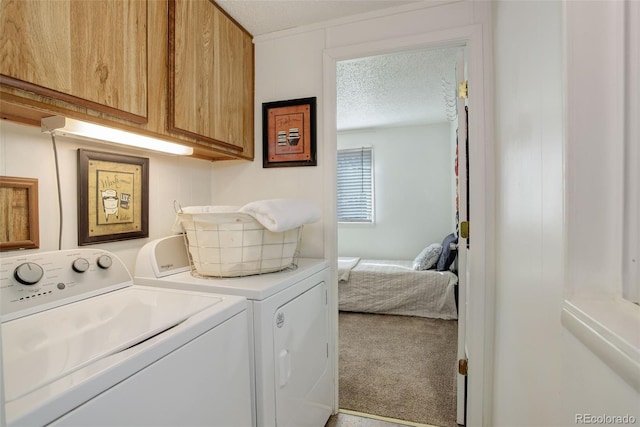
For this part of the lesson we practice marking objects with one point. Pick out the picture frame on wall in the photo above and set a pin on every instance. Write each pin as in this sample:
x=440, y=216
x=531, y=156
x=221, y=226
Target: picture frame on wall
x=19, y=221
x=289, y=133
x=113, y=197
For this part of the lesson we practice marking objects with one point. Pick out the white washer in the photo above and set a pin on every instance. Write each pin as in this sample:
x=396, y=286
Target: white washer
x=83, y=346
x=293, y=374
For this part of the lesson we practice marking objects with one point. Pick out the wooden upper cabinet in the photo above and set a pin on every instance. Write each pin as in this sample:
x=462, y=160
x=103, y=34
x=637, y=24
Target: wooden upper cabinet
x=87, y=53
x=210, y=75
x=95, y=60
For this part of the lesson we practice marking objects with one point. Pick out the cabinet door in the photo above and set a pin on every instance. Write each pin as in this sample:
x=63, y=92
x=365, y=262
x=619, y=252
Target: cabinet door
x=87, y=53
x=210, y=75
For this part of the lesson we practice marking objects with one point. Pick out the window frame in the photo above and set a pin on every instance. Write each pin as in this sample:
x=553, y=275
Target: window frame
x=594, y=310
x=631, y=234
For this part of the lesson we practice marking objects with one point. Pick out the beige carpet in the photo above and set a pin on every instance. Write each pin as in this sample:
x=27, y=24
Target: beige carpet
x=399, y=367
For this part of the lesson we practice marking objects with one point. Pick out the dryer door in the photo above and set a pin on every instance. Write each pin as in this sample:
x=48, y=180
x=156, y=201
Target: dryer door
x=303, y=381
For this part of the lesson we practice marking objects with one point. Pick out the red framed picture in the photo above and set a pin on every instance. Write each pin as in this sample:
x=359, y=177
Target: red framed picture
x=289, y=133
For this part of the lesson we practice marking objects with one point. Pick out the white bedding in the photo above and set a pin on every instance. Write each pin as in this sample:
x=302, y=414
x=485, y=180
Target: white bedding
x=394, y=287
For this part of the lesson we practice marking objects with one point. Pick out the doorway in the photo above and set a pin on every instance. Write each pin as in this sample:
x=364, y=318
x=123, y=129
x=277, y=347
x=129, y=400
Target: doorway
x=478, y=337
x=397, y=361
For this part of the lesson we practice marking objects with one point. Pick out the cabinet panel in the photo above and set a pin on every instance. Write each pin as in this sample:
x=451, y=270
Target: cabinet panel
x=88, y=53
x=210, y=75
x=26, y=68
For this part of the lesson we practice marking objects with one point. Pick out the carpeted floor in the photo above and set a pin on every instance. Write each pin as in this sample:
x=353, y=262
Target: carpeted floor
x=399, y=367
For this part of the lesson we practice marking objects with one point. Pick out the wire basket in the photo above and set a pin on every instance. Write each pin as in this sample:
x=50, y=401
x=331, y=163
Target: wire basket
x=234, y=244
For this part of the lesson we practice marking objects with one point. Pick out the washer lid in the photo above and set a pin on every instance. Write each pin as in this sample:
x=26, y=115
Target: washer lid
x=43, y=347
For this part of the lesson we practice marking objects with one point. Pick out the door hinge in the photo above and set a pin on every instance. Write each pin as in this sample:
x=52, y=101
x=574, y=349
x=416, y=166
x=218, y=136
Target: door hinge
x=463, y=367
x=463, y=90
x=464, y=229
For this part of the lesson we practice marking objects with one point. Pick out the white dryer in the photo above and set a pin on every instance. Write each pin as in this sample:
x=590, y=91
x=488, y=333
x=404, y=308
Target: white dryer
x=289, y=329
x=83, y=346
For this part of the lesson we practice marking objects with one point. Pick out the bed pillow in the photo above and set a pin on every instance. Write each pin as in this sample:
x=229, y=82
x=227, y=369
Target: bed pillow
x=448, y=254
x=428, y=257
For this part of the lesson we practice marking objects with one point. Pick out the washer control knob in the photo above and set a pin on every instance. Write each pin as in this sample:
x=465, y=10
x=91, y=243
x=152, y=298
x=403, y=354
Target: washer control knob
x=80, y=265
x=28, y=273
x=104, y=261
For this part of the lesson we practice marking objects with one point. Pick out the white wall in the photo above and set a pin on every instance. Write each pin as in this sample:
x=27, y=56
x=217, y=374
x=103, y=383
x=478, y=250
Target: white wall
x=558, y=210
x=315, y=49
x=26, y=152
x=239, y=182
x=543, y=375
x=589, y=386
x=594, y=198
x=412, y=181
x=529, y=222
x=304, y=78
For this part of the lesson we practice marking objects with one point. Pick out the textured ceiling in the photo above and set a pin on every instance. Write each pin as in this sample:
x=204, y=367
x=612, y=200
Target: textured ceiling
x=397, y=89
x=389, y=90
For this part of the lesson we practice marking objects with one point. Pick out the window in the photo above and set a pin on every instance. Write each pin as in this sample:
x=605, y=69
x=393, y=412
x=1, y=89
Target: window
x=355, y=185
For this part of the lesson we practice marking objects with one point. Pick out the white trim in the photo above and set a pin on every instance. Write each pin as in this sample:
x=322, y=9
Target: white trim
x=609, y=329
x=631, y=236
x=480, y=329
x=436, y=39
x=330, y=201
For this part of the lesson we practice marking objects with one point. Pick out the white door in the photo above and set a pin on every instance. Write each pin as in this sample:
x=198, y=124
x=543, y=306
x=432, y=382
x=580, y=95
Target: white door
x=463, y=243
x=304, y=387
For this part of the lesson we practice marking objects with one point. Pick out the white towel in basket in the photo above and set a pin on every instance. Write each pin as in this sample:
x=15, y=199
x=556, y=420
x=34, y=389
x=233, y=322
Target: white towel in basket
x=282, y=214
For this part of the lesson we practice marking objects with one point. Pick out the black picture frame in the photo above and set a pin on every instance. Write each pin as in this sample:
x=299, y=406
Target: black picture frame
x=289, y=133
x=113, y=197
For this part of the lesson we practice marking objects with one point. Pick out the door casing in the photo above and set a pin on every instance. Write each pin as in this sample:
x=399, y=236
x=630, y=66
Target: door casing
x=481, y=160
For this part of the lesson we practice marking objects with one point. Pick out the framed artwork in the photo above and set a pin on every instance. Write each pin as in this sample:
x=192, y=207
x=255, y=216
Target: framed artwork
x=113, y=197
x=289, y=133
x=19, y=221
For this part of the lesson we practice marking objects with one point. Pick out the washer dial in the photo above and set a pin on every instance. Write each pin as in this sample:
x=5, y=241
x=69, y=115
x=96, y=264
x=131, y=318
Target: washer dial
x=28, y=273
x=104, y=261
x=80, y=265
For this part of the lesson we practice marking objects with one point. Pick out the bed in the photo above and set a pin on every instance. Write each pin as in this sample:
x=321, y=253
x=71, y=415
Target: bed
x=394, y=287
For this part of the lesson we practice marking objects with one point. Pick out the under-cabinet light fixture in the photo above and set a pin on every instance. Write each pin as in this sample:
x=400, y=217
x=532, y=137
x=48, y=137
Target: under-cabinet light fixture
x=59, y=125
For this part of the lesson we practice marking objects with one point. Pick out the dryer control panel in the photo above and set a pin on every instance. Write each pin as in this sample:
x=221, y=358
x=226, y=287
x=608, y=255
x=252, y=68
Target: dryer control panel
x=34, y=282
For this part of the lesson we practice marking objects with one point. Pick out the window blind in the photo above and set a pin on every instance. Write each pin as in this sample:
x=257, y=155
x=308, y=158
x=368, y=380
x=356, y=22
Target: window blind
x=355, y=185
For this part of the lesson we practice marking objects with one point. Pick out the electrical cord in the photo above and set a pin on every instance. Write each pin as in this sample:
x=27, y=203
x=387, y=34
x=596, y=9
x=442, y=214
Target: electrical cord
x=55, y=156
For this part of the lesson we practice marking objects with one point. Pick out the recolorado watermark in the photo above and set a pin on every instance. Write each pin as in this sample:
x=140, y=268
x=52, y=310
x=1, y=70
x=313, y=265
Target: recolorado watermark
x=605, y=419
